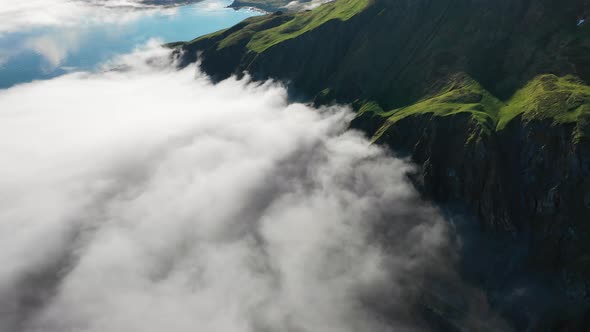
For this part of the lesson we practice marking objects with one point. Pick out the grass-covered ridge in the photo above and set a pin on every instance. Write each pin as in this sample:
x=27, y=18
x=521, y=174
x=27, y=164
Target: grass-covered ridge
x=254, y=25
x=240, y=33
x=461, y=95
x=306, y=21
x=260, y=33
x=391, y=58
x=559, y=99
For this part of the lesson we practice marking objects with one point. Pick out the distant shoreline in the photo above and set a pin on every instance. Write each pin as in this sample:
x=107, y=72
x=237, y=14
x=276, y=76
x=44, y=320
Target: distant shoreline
x=151, y=4
x=237, y=4
x=168, y=3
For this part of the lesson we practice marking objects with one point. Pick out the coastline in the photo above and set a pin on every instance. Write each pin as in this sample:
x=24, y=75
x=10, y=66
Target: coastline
x=264, y=9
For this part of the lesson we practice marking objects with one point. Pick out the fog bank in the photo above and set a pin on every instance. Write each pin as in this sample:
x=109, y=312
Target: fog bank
x=22, y=15
x=150, y=199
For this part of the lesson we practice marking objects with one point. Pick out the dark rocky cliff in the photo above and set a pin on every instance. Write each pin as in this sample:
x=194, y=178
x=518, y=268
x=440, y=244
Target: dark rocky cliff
x=512, y=154
x=530, y=178
x=529, y=186
x=393, y=52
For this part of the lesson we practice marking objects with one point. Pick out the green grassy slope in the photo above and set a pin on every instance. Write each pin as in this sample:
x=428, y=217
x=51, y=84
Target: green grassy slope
x=490, y=98
x=393, y=50
x=247, y=33
x=306, y=21
x=559, y=99
x=241, y=33
x=461, y=95
x=260, y=36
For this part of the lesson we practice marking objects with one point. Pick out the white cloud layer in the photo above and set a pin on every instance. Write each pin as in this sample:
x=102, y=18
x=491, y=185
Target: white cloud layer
x=29, y=14
x=149, y=199
x=55, y=47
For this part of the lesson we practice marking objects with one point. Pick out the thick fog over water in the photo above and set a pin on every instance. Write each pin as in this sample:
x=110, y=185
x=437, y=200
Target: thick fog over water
x=141, y=197
x=42, y=39
x=149, y=199
x=19, y=15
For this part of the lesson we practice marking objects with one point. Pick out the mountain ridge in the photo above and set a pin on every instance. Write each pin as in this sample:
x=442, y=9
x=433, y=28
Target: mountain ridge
x=489, y=98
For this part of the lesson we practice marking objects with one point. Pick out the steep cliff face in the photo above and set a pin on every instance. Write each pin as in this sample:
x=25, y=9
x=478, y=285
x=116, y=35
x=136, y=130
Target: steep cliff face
x=531, y=177
x=519, y=164
x=400, y=57
x=490, y=98
x=531, y=181
x=521, y=167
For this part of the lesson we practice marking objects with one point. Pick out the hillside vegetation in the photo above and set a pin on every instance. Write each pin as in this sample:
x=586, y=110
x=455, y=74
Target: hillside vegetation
x=398, y=52
x=306, y=21
x=490, y=99
x=561, y=100
x=260, y=33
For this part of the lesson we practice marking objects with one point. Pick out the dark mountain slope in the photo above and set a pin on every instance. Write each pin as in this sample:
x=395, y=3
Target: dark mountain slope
x=490, y=97
x=393, y=51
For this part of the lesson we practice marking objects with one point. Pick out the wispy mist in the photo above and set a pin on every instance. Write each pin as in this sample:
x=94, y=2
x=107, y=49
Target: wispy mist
x=149, y=199
x=33, y=14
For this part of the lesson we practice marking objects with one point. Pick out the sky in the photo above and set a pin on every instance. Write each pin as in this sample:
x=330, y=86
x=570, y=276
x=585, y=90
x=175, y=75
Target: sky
x=142, y=197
